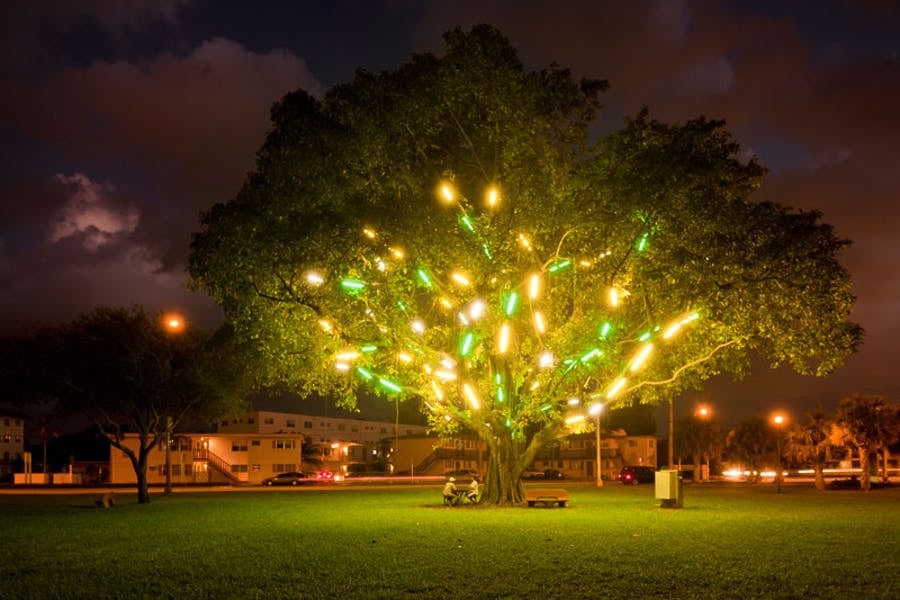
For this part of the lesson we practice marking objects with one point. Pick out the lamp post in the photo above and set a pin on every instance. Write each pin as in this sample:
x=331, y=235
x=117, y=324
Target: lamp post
x=778, y=420
x=174, y=324
x=595, y=410
x=704, y=413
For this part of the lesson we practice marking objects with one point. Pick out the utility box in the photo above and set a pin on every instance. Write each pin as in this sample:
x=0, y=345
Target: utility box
x=669, y=489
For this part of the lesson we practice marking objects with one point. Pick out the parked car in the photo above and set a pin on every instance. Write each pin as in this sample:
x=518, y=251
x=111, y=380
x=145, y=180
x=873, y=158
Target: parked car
x=554, y=474
x=464, y=473
x=324, y=476
x=291, y=478
x=532, y=474
x=636, y=475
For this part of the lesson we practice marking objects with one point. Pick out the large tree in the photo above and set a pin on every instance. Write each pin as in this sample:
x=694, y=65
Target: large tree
x=810, y=442
x=867, y=423
x=446, y=233
x=128, y=374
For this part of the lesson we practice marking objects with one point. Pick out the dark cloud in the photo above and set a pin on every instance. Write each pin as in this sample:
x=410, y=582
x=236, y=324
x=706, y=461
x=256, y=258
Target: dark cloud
x=126, y=104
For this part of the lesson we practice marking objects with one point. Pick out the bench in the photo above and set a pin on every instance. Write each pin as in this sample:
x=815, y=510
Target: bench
x=547, y=497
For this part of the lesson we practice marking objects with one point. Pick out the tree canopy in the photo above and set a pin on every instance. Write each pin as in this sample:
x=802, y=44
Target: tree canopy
x=447, y=232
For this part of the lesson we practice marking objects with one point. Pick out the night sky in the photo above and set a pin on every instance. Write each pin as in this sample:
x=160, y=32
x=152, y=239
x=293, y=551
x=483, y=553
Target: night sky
x=121, y=121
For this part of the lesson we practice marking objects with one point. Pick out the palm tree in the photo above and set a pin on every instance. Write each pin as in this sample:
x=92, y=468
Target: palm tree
x=809, y=442
x=751, y=442
x=867, y=423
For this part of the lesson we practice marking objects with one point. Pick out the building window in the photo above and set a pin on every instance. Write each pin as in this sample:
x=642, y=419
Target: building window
x=652, y=442
x=284, y=444
x=238, y=468
x=307, y=424
x=282, y=468
x=632, y=443
x=383, y=430
x=269, y=421
x=256, y=467
x=291, y=423
x=254, y=442
x=354, y=429
x=224, y=423
x=7, y=438
x=251, y=420
x=238, y=445
x=341, y=427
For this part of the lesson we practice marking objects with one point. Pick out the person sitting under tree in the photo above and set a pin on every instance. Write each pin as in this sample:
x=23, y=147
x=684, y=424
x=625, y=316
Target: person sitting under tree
x=474, y=489
x=449, y=492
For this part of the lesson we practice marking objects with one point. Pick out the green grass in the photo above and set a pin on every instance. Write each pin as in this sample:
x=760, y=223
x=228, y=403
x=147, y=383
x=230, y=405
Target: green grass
x=727, y=542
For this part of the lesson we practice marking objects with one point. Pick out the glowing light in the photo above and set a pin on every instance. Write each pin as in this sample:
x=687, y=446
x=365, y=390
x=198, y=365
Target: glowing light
x=643, y=242
x=595, y=409
x=437, y=390
x=325, y=325
x=341, y=366
x=447, y=192
x=368, y=348
x=487, y=252
x=369, y=233
x=382, y=266
x=446, y=303
x=605, y=329
x=534, y=286
x=675, y=327
x=560, y=265
x=460, y=279
x=364, y=373
x=524, y=241
x=424, y=277
x=539, y=324
x=397, y=253
x=493, y=197
x=511, y=304
x=645, y=336
x=546, y=360
x=314, y=278
x=173, y=322
x=641, y=357
x=466, y=222
x=616, y=388
x=466, y=343
x=352, y=286
x=591, y=354
x=573, y=401
x=418, y=326
x=503, y=339
x=476, y=309
x=471, y=397
x=389, y=385
x=501, y=395
x=445, y=375
x=613, y=297
x=574, y=419
x=404, y=357
x=348, y=355
x=463, y=319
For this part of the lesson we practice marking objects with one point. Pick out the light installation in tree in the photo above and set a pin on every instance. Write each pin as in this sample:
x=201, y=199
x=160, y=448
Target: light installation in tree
x=477, y=341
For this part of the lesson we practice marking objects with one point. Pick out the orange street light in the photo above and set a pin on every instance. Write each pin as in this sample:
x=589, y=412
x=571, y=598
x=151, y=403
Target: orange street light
x=173, y=322
x=778, y=420
x=703, y=411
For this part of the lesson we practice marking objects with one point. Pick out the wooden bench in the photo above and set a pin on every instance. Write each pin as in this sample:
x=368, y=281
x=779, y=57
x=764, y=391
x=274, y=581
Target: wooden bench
x=547, y=497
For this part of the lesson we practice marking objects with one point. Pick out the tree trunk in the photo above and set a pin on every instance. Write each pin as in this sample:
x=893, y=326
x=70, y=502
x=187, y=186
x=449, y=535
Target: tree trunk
x=504, y=479
x=885, y=456
x=140, y=471
x=865, y=483
x=698, y=468
x=819, y=476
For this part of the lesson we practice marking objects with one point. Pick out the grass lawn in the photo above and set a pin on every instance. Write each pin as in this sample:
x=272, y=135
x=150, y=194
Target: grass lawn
x=729, y=541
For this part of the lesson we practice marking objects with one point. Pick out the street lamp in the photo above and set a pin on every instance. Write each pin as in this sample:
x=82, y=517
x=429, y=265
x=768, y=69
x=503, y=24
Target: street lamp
x=704, y=413
x=595, y=410
x=174, y=324
x=778, y=420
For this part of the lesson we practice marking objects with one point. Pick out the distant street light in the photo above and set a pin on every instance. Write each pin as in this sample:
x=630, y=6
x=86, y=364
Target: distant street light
x=595, y=410
x=704, y=413
x=778, y=420
x=174, y=324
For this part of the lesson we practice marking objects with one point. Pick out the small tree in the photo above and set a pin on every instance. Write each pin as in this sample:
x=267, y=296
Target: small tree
x=698, y=439
x=752, y=442
x=127, y=374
